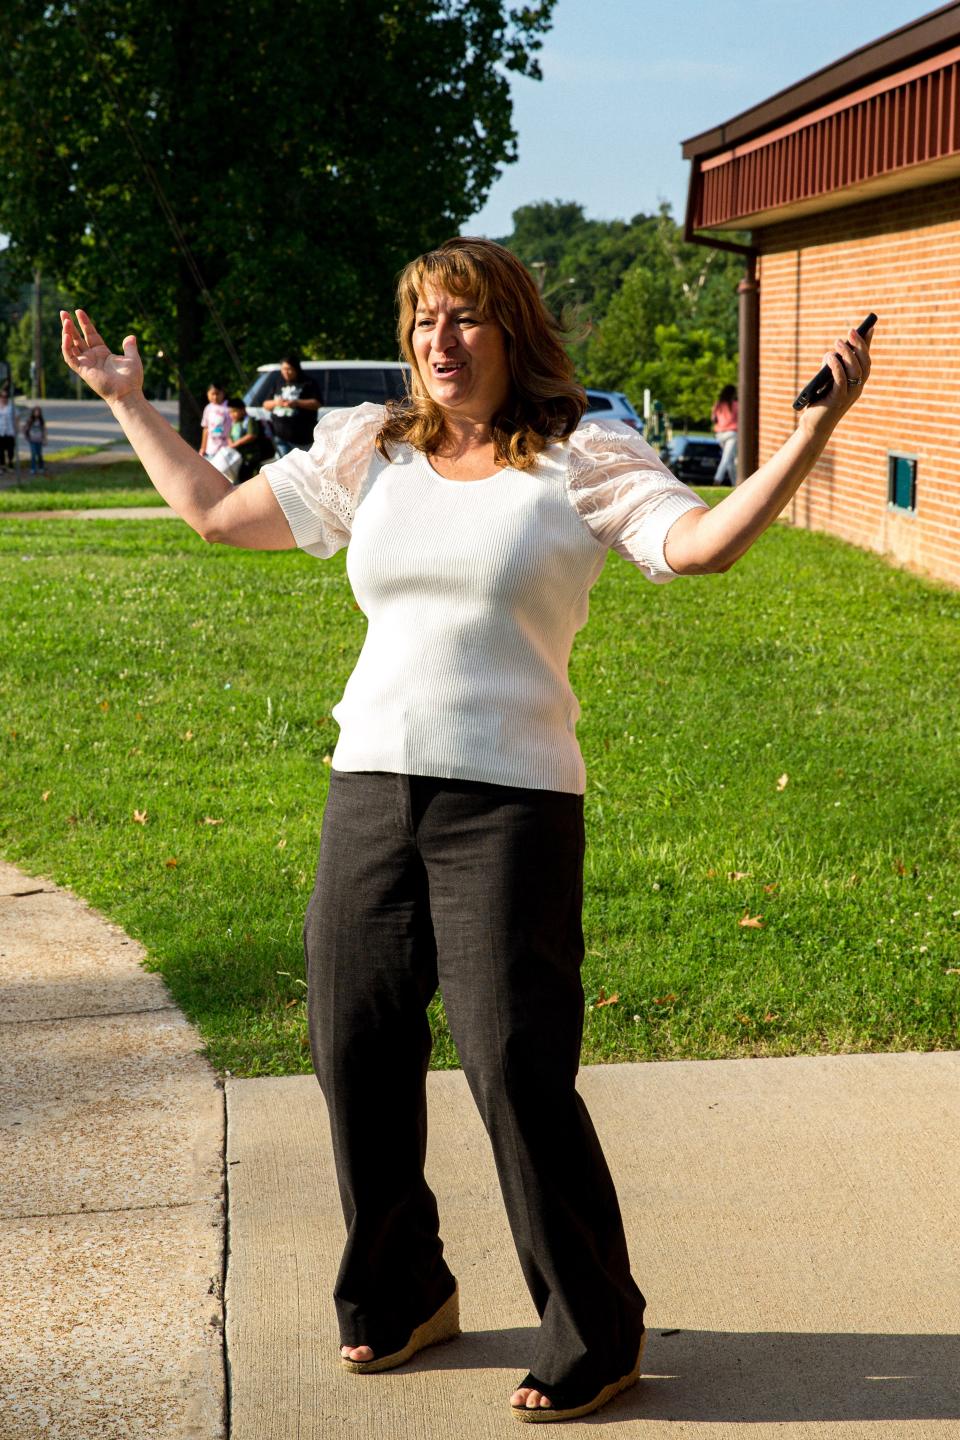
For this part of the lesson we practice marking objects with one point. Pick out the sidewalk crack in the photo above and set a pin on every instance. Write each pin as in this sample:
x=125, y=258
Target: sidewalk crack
x=107, y=1210
x=100, y=1015
x=227, y=1374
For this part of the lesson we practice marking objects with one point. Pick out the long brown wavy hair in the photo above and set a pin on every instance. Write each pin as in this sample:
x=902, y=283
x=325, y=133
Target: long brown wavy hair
x=545, y=402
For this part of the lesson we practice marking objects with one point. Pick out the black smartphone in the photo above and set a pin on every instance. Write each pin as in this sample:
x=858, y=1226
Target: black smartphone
x=822, y=382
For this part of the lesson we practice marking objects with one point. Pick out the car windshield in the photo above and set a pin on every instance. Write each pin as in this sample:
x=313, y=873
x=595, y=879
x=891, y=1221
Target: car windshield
x=341, y=387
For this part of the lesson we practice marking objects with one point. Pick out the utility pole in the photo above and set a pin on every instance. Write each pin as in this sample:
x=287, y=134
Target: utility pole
x=39, y=389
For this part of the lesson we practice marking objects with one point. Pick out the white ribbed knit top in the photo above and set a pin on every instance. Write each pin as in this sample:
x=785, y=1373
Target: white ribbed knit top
x=473, y=591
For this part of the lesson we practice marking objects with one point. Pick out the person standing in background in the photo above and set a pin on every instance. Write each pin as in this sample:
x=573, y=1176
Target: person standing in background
x=293, y=401
x=35, y=432
x=215, y=421
x=8, y=430
x=726, y=416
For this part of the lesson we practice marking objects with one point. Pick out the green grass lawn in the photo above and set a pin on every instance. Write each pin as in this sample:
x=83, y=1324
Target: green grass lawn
x=81, y=487
x=145, y=674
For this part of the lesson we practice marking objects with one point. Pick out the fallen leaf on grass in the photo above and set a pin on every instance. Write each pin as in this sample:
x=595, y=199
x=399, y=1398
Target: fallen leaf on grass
x=770, y=1016
x=664, y=999
x=751, y=922
x=188, y=734
x=711, y=874
x=281, y=844
x=328, y=759
x=783, y=782
x=208, y=820
x=104, y=706
x=604, y=999
x=769, y=889
x=952, y=970
x=140, y=817
x=171, y=863
x=46, y=795
x=738, y=874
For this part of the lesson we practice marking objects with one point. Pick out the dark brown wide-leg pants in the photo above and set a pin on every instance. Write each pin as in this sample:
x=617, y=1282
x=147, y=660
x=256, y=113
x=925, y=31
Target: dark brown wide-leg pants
x=476, y=887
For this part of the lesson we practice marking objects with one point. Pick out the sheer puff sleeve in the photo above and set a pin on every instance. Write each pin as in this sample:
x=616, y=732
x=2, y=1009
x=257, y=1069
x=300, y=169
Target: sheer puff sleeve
x=318, y=489
x=625, y=494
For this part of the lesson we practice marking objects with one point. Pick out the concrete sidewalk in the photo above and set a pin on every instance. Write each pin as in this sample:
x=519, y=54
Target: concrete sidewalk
x=793, y=1224
x=111, y=1195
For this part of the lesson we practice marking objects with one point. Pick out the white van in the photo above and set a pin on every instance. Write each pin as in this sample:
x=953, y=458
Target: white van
x=340, y=382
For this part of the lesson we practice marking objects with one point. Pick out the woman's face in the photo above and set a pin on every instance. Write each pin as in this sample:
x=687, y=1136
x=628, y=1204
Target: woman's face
x=462, y=358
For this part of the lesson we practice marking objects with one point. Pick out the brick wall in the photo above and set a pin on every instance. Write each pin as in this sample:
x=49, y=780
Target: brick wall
x=900, y=256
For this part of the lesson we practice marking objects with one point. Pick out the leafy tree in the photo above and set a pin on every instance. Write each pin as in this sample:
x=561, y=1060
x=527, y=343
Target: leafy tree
x=706, y=281
x=686, y=372
x=632, y=280
x=627, y=333
x=228, y=180
x=561, y=245
x=59, y=381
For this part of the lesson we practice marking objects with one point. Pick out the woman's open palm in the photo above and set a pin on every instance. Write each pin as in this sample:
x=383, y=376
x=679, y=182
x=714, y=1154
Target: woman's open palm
x=86, y=352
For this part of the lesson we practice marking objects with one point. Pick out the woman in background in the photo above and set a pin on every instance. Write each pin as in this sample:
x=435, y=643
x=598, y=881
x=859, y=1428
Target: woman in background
x=726, y=416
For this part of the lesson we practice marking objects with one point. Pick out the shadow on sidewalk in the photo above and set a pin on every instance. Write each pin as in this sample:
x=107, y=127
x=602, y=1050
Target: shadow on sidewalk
x=773, y=1377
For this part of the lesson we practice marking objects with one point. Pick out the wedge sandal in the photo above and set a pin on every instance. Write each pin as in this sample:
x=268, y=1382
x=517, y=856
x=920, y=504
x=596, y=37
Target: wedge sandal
x=444, y=1324
x=568, y=1401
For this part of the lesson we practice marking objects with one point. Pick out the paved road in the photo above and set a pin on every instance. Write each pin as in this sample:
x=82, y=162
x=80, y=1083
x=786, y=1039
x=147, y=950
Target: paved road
x=83, y=422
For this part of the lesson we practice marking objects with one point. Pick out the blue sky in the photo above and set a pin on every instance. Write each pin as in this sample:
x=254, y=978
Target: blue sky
x=626, y=81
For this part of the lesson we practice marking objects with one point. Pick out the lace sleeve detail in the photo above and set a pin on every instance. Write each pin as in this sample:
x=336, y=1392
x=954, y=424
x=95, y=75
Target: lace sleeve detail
x=625, y=494
x=317, y=489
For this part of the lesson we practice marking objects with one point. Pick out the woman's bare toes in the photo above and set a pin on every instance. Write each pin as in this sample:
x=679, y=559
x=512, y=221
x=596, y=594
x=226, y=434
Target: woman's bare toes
x=356, y=1352
x=524, y=1399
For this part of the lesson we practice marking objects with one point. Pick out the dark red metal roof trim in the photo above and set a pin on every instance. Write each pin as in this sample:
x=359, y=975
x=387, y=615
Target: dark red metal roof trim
x=906, y=122
x=919, y=40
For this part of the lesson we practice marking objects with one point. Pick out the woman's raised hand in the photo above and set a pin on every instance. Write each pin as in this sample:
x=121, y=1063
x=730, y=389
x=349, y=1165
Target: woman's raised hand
x=110, y=376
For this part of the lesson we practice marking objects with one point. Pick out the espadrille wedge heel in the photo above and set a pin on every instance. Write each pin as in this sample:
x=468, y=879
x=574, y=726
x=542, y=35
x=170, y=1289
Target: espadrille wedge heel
x=444, y=1324
x=566, y=1403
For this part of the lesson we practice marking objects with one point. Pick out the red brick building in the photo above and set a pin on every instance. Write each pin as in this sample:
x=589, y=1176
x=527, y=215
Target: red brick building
x=849, y=184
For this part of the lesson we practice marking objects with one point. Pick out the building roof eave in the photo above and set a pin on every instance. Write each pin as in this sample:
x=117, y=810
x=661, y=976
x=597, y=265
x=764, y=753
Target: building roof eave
x=915, y=41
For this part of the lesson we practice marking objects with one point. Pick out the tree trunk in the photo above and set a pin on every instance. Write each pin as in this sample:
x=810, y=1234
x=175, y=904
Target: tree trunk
x=189, y=321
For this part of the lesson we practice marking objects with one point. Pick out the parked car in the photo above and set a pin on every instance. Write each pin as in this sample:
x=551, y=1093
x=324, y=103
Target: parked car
x=611, y=405
x=341, y=383
x=693, y=458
